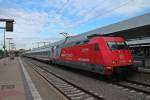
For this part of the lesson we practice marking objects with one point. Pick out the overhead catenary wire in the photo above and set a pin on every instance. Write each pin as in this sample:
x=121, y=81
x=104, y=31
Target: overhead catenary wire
x=62, y=7
x=108, y=11
x=98, y=15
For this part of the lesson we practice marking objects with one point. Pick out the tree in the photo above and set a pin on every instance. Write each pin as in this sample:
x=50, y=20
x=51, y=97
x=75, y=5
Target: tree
x=1, y=53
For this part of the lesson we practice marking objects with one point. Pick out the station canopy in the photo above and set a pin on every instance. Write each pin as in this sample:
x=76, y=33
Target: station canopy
x=136, y=27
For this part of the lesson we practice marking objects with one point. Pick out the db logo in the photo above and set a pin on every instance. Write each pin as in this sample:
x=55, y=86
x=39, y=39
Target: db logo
x=85, y=50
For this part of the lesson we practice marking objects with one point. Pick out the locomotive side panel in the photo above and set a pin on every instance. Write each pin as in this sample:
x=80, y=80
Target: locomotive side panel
x=82, y=57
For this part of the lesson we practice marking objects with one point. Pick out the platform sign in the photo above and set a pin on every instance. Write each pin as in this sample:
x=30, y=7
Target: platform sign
x=9, y=26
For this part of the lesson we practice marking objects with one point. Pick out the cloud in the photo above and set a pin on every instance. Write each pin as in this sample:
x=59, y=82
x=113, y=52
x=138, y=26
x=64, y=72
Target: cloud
x=87, y=10
x=79, y=12
x=135, y=6
x=26, y=22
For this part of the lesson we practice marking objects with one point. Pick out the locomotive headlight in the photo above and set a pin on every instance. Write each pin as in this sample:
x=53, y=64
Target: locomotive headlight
x=130, y=61
x=109, y=68
x=113, y=62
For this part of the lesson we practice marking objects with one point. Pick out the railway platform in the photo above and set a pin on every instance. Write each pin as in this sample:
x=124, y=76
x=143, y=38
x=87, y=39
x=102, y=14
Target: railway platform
x=145, y=70
x=142, y=66
x=12, y=85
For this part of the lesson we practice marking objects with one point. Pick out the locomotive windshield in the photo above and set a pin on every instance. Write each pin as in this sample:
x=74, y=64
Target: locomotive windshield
x=117, y=45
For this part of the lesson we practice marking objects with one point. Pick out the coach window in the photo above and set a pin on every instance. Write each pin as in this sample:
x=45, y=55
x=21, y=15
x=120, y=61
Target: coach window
x=57, y=50
x=49, y=53
x=52, y=49
x=77, y=43
x=44, y=53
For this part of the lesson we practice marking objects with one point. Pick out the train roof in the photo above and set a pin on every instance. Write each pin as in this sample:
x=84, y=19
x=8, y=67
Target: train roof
x=41, y=49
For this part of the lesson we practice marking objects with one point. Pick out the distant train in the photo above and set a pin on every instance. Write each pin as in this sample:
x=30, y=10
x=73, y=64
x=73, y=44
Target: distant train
x=104, y=55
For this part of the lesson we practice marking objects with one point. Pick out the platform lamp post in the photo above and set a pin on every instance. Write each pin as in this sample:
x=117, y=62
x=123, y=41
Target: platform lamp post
x=8, y=27
x=13, y=46
x=4, y=46
x=9, y=39
x=32, y=46
x=44, y=43
x=38, y=44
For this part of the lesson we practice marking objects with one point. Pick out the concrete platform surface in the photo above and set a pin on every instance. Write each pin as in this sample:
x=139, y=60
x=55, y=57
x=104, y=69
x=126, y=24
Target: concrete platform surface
x=145, y=70
x=11, y=80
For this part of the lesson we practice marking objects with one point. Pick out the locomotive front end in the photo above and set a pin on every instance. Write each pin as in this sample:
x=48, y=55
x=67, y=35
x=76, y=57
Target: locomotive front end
x=120, y=58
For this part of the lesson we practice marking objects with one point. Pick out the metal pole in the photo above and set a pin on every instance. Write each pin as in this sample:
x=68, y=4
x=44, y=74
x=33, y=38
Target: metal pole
x=9, y=47
x=4, y=45
x=38, y=44
x=9, y=44
x=44, y=43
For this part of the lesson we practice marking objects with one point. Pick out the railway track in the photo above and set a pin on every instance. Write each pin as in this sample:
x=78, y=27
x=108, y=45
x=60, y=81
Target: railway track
x=68, y=89
x=134, y=86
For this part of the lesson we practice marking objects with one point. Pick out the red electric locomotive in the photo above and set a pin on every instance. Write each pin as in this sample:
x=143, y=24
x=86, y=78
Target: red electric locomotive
x=103, y=55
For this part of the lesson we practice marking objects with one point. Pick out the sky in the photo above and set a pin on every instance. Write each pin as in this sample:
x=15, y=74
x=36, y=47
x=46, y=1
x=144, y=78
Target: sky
x=43, y=20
